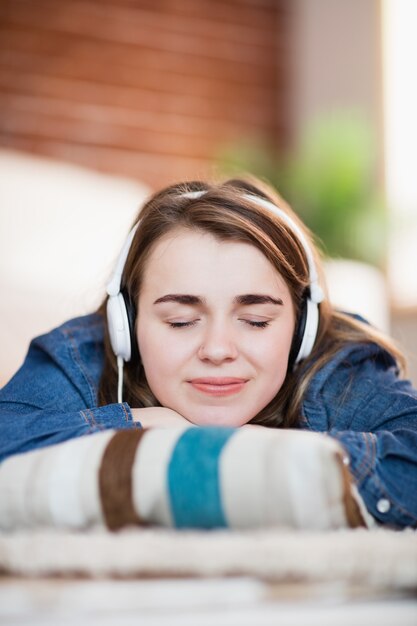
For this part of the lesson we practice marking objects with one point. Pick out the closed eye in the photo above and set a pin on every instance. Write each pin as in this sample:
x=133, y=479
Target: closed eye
x=182, y=324
x=262, y=324
x=253, y=323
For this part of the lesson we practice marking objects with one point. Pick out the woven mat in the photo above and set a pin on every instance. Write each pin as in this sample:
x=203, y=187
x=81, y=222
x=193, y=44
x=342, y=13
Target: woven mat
x=381, y=558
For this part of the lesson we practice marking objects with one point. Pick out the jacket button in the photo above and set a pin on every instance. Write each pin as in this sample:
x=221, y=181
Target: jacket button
x=383, y=505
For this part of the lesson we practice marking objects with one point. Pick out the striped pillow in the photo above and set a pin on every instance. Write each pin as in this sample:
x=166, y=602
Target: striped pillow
x=184, y=478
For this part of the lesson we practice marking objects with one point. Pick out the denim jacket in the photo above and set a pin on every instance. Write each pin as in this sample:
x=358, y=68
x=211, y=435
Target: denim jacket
x=356, y=398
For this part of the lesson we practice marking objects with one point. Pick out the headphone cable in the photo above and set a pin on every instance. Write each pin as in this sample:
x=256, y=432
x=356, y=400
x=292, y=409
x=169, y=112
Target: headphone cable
x=120, y=364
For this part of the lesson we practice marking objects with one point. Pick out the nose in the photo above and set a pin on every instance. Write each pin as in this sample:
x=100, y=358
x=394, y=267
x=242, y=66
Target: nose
x=218, y=344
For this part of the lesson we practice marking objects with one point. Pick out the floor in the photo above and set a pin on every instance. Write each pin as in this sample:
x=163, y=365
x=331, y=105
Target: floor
x=205, y=602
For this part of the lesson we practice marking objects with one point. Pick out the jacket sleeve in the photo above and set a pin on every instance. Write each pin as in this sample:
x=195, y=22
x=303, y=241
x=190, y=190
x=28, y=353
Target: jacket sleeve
x=45, y=403
x=384, y=466
x=373, y=414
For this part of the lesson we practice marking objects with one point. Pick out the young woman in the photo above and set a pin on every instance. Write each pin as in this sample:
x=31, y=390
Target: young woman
x=217, y=316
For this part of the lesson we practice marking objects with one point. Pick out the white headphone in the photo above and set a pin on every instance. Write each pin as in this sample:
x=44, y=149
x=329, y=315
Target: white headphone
x=121, y=328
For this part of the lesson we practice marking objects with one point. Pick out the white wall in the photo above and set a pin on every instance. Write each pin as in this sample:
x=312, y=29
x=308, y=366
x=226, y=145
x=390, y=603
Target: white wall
x=61, y=228
x=337, y=59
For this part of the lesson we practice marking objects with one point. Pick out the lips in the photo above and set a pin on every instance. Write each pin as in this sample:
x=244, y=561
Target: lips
x=218, y=386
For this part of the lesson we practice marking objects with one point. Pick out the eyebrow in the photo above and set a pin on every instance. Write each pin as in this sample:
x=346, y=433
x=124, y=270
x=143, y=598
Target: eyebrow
x=246, y=299
x=254, y=298
x=181, y=298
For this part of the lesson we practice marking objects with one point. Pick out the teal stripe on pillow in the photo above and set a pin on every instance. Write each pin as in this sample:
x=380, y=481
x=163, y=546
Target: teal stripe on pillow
x=193, y=478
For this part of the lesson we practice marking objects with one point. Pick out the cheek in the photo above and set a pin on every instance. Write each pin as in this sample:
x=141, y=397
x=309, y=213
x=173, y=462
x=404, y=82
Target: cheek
x=274, y=347
x=158, y=361
x=150, y=350
x=273, y=353
x=274, y=366
x=161, y=352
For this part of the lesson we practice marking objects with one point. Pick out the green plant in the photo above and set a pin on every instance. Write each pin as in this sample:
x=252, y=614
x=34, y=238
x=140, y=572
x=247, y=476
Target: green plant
x=330, y=182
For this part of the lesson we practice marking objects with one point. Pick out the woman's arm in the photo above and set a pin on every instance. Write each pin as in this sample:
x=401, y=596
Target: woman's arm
x=373, y=414
x=384, y=466
x=25, y=427
x=158, y=417
x=52, y=398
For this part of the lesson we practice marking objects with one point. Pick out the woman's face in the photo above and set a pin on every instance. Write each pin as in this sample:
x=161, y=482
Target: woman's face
x=215, y=325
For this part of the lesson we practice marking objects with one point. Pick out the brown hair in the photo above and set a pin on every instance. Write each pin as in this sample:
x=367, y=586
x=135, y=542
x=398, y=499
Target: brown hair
x=226, y=212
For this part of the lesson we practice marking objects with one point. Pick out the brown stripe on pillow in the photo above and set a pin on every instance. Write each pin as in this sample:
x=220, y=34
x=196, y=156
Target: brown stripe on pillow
x=115, y=479
x=354, y=516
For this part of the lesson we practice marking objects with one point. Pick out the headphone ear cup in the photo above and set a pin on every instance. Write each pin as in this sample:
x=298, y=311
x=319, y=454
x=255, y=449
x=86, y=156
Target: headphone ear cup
x=298, y=335
x=310, y=331
x=118, y=325
x=305, y=333
x=131, y=318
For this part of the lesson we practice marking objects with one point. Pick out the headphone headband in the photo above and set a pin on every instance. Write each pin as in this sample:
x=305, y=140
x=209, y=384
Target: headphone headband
x=316, y=292
x=113, y=286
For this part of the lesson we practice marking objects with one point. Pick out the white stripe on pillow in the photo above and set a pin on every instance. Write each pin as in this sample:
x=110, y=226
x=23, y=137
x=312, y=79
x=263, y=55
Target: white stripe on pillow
x=149, y=475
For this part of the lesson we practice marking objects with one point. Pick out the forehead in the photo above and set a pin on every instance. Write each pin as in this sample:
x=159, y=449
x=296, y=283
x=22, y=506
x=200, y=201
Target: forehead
x=190, y=261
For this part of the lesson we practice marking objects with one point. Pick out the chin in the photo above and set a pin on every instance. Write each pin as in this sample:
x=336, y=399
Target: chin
x=216, y=416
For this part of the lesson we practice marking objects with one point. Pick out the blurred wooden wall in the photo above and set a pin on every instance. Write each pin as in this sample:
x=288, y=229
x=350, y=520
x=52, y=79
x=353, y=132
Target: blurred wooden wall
x=149, y=88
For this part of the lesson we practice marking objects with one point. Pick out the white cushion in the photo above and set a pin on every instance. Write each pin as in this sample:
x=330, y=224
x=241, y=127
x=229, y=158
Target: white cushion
x=61, y=228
